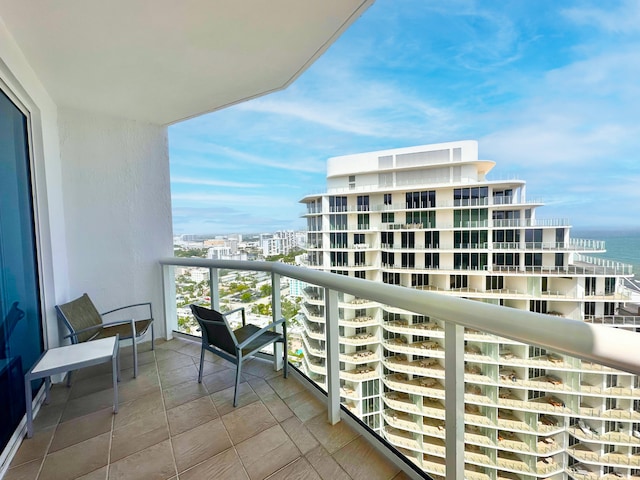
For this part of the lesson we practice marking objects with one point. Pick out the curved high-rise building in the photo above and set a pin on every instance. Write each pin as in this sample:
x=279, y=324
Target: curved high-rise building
x=428, y=217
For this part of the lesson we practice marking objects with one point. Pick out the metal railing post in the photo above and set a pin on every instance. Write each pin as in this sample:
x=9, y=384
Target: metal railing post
x=454, y=400
x=333, y=351
x=169, y=294
x=276, y=311
x=214, y=288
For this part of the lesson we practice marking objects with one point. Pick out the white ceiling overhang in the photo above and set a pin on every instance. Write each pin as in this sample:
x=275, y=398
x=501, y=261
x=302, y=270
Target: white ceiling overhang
x=163, y=61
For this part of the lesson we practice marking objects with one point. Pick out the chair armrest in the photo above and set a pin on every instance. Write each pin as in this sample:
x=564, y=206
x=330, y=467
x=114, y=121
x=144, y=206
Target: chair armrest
x=244, y=318
x=252, y=337
x=130, y=306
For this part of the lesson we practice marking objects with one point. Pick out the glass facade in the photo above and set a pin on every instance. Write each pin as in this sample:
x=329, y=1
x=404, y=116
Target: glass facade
x=21, y=341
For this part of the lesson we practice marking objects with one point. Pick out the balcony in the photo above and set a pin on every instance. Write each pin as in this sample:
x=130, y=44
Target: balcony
x=418, y=390
x=170, y=425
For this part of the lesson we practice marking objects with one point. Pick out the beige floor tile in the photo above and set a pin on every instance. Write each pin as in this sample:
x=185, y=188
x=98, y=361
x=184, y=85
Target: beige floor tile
x=305, y=405
x=59, y=393
x=153, y=463
x=332, y=437
x=299, y=434
x=79, y=407
x=300, y=469
x=199, y=444
x=33, y=448
x=245, y=422
x=76, y=460
x=277, y=407
x=225, y=465
x=100, y=474
x=362, y=462
x=50, y=415
x=325, y=465
x=136, y=436
x=285, y=387
x=142, y=407
x=86, y=386
x=261, y=387
x=267, y=452
x=191, y=414
x=192, y=349
x=82, y=428
x=261, y=368
x=26, y=471
x=138, y=387
x=220, y=380
x=171, y=378
x=223, y=399
x=173, y=362
x=183, y=393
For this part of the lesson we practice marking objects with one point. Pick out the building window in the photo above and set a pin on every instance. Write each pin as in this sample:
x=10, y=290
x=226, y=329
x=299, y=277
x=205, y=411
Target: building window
x=609, y=308
x=363, y=221
x=338, y=240
x=589, y=309
x=409, y=260
x=470, y=218
x=424, y=199
x=432, y=239
x=419, y=279
x=387, y=199
x=431, y=260
x=359, y=259
x=337, y=204
x=363, y=203
x=609, y=285
x=458, y=281
x=470, y=196
x=338, y=222
x=360, y=274
x=391, y=278
x=388, y=259
x=590, y=285
x=538, y=306
x=386, y=239
x=494, y=282
x=388, y=217
x=408, y=239
x=358, y=238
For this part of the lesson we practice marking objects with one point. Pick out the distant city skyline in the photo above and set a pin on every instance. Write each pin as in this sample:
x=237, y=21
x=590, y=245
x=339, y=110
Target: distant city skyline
x=550, y=91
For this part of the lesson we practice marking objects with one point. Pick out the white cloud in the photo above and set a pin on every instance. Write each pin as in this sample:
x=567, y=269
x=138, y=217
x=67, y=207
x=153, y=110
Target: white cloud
x=624, y=19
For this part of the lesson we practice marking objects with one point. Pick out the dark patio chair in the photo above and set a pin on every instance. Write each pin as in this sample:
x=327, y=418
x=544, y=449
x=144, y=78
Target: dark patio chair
x=236, y=345
x=84, y=323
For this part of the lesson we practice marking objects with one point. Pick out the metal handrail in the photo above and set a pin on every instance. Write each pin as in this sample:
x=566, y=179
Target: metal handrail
x=599, y=344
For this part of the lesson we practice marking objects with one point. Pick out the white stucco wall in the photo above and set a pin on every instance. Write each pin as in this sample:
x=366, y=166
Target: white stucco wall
x=117, y=202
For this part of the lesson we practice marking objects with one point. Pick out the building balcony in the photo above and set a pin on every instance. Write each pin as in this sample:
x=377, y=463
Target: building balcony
x=414, y=396
x=168, y=424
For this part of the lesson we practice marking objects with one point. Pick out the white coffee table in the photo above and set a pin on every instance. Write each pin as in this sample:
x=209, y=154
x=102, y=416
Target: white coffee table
x=72, y=357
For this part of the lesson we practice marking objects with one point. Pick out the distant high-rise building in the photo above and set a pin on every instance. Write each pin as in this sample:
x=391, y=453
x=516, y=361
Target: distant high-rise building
x=428, y=218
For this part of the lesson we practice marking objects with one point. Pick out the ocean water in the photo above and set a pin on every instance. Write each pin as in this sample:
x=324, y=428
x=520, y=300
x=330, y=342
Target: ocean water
x=623, y=245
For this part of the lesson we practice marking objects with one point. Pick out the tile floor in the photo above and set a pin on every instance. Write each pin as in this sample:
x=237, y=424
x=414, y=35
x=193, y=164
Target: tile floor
x=171, y=427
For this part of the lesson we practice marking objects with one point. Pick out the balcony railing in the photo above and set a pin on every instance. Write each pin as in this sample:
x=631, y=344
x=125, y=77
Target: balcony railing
x=597, y=344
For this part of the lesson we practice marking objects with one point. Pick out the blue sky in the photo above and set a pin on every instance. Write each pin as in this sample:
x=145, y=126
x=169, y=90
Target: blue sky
x=550, y=90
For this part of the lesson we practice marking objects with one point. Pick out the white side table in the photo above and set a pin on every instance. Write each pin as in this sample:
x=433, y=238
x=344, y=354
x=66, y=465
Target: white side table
x=72, y=357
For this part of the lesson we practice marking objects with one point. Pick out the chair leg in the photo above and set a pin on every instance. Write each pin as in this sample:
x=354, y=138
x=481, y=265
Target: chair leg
x=153, y=337
x=201, y=365
x=238, y=371
x=285, y=360
x=135, y=357
x=69, y=378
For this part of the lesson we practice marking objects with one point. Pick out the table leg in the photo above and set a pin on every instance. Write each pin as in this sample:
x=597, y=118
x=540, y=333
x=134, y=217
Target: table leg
x=47, y=387
x=29, y=404
x=116, y=374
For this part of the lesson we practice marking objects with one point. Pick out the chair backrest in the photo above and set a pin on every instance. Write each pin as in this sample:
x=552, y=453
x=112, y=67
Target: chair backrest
x=215, y=329
x=79, y=314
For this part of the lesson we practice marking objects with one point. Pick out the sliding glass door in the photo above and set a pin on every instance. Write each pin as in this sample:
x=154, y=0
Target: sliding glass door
x=21, y=340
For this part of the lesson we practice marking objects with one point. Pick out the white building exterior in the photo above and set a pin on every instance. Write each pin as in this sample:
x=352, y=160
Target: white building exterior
x=428, y=217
